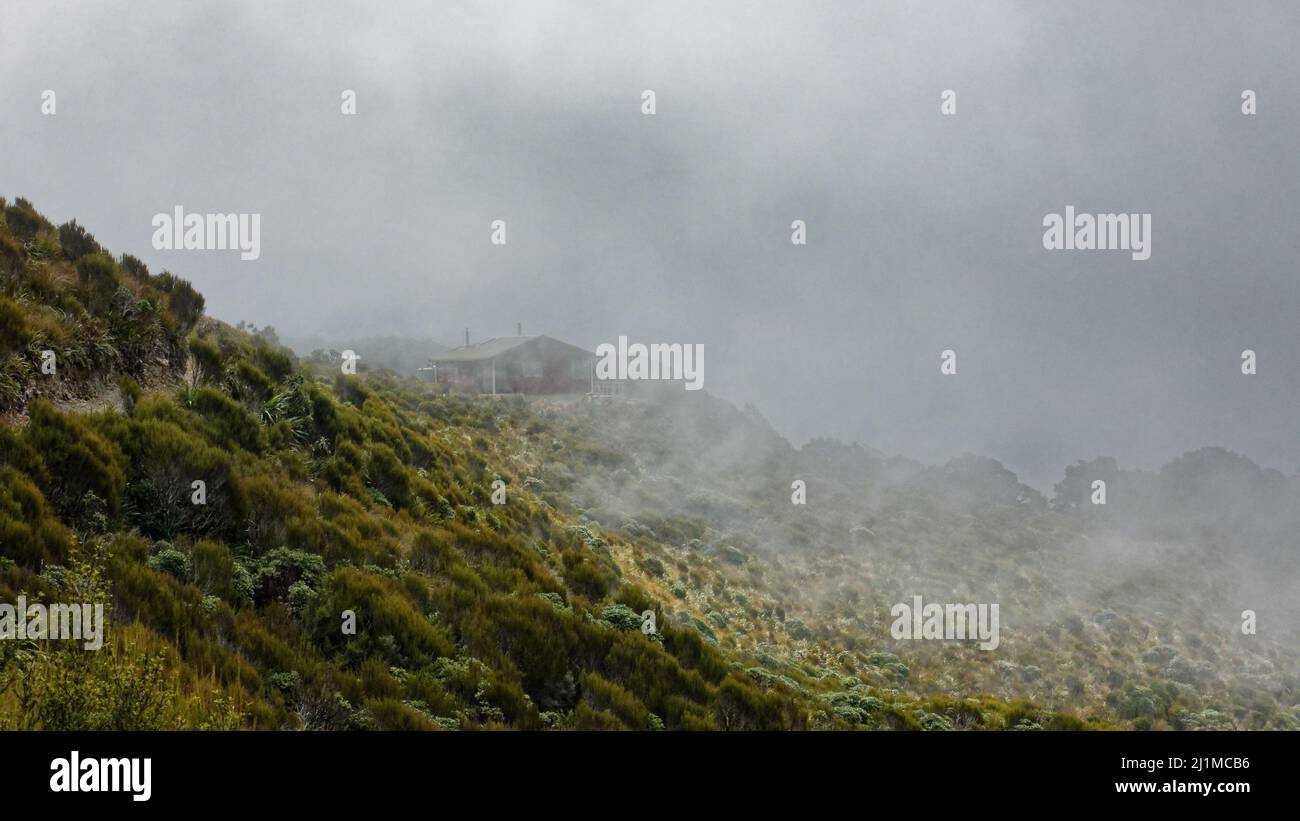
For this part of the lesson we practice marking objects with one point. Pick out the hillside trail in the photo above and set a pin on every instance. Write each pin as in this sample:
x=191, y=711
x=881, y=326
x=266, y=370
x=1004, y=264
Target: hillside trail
x=104, y=394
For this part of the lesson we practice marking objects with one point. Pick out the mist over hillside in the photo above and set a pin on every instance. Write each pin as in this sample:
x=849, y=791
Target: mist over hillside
x=1125, y=608
x=662, y=559
x=614, y=399
x=924, y=230
x=404, y=355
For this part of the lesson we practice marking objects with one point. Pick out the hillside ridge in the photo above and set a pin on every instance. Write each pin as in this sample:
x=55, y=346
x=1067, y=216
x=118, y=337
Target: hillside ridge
x=349, y=568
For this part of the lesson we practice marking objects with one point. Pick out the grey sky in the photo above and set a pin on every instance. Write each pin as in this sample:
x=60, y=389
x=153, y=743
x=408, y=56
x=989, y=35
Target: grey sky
x=924, y=230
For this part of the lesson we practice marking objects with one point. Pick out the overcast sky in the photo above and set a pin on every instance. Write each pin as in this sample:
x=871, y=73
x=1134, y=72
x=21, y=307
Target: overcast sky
x=924, y=230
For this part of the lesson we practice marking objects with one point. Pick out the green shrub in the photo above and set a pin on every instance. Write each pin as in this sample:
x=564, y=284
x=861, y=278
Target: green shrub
x=76, y=241
x=621, y=617
x=168, y=559
x=77, y=460
x=30, y=534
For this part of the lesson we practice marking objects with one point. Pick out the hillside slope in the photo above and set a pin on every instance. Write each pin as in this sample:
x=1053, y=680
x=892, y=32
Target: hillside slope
x=1127, y=614
x=331, y=499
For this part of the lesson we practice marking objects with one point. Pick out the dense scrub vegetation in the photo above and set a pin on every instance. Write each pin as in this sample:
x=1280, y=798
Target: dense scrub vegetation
x=62, y=294
x=319, y=499
x=327, y=496
x=468, y=614
x=1125, y=614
